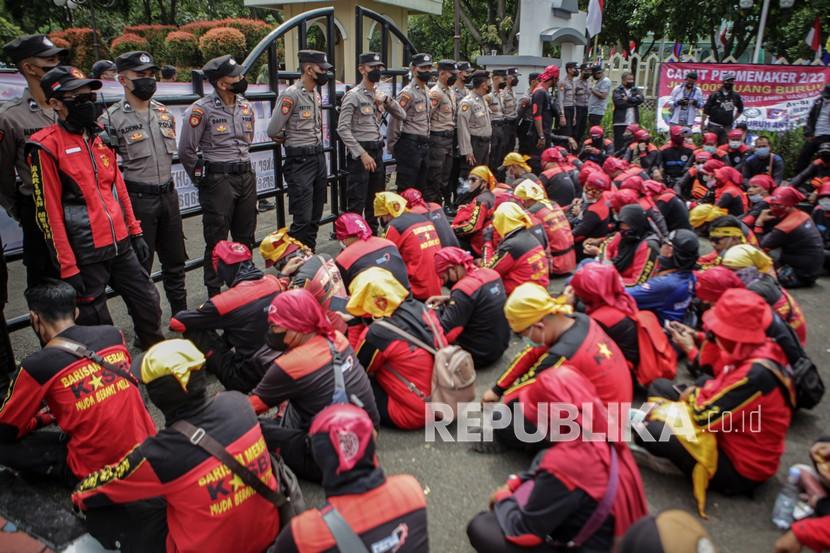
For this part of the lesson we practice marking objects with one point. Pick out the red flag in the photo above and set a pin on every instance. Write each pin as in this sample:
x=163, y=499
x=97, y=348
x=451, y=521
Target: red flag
x=632, y=47
x=813, y=38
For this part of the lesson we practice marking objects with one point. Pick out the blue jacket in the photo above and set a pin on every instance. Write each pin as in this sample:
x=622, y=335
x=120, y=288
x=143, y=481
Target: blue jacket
x=667, y=295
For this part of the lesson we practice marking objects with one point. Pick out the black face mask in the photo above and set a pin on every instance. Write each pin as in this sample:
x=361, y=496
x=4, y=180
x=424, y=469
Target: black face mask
x=514, y=81
x=451, y=81
x=373, y=76
x=596, y=141
x=727, y=87
x=424, y=76
x=239, y=87
x=488, y=89
x=825, y=158
x=82, y=114
x=322, y=78
x=628, y=85
x=502, y=85
x=144, y=88
x=467, y=79
x=276, y=340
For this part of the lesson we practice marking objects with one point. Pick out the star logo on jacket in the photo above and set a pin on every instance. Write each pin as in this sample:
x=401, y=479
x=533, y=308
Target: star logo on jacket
x=221, y=128
x=237, y=483
x=603, y=351
x=105, y=161
x=96, y=381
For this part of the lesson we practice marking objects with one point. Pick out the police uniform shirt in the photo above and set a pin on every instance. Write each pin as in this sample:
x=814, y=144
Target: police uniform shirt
x=415, y=102
x=459, y=94
x=222, y=133
x=567, y=93
x=582, y=91
x=299, y=113
x=19, y=119
x=493, y=100
x=443, y=108
x=146, y=141
x=509, y=104
x=473, y=120
x=360, y=118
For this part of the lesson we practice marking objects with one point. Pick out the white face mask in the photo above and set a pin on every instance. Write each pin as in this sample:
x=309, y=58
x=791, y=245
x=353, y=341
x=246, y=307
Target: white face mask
x=824, y=203
x=709, y=180
x=734, y=144
x=755, y=198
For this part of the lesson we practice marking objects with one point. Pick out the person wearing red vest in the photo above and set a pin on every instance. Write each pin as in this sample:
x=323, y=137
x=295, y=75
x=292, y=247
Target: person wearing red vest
x=473, y=314
x=416, y=239
x=634, y=249
x=735, y=151
x=556, y=178
x=642, y=152
x=520, y=256
x=208, y=507
x=362, y=250
x=729, y=193
x=566, y=483
x=645, y=200
x=758, y=190
x=400, y=369
x=595, y=220
x=676, y=155
x=386, y=513
x=691, y=185
x=240, y=312
x=416, y=204
x=555, y=223
x=597, y=147
x=475, y=208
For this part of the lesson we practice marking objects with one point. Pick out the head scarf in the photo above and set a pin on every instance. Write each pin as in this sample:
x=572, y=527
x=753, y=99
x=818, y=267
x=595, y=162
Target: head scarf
x=740, y=316
x=176, y=358
x=530, y=303
x=712, y=283
x=598, y=181
x=744, y=255
x=727, y=175
x=351, y=224
x=653, y=187
x=702, y=156
x=598, y=285
x=278, y=245
x=635, y=217
x=515, y=158
x=375, y=293
x=229, y=253
x=483, y=172
x=710, y=138
x=763, y=181
x=298, y=310
x=389, y=203
x=786, y=196
x=713, y=165
x=529, y=190
x=585, y=171
x=672, y=531
x=622, y=198
x=705, y=213
x=685, y=251
x=550, y=72
x=510, y=216
x=413, y=198
x=613, y=165
x=634, y=182
x=551, y=155
x=445, y=258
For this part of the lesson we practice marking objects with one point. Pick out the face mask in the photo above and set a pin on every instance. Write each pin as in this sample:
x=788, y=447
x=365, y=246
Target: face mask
x=239, y=87
x=734, y=144
x=451, y=80
x=82, y=114
x=502, y=86
x=424, y=76
x=642, y=146
x=762, y=152
x=709, y=180
x=629, y=85
x=321, y=78
x=777, y=210
x=727, y=87
x=144, y=88
x=276, y=340
x=824, y=203
x=374, y=76
x=467, y=79
x=533, y=344
x=699, y=167
x=755, y=198
x=596, y=140
x=677, y=140
x=514, y=81
x=710, y=149
x=488, y=89
x=825, y=158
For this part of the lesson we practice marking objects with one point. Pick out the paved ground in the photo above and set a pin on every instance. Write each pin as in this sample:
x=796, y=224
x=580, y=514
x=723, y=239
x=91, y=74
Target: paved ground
x=457, y=480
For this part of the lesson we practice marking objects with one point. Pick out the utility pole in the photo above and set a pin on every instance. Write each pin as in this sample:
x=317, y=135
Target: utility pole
x=457, y=37
x=760, y=39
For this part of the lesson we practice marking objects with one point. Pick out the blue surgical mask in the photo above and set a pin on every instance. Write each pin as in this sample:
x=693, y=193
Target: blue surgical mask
x=710, y=149
x=762, y=152
x=755, y=198
x=824, y=203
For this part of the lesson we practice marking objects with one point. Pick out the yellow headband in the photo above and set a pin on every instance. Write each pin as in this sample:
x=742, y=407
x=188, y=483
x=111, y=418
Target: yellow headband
x=705, y=213
x=726, y=232
x=176, y=358
x=389, y=203
x=514, y=158
x=530, y=303
x=375, y=292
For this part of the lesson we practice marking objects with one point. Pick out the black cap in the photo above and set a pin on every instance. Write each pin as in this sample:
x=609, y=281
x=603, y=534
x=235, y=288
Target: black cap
x=419, y=60
x=463, y=66
x=65, y=78
x=370, y=58
x=691, y=75
x=223, y=66
x=826, y=91
x=136, y=61
x=728, y=77
x=583, y=66
x=596, y=68
x=100, y=66
x=499, y=72
x=447, y=65
x=314, y=56
x=570, y=64
x=513, y=71
x=533, y=76
x=31, y=46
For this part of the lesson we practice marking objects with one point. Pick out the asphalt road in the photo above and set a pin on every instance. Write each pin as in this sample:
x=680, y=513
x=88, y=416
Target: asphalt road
x=458, y=481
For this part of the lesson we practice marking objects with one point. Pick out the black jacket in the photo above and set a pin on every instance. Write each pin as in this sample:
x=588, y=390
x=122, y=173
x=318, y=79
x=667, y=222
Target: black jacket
x=623, y=101
x=812, y=117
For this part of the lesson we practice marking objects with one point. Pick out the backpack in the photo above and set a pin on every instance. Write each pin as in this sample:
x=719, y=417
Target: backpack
x=453, y=372
x=658, y=358
x=809, y=387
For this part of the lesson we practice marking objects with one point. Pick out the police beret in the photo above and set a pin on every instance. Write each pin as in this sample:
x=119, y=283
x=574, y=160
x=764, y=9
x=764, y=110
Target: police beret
x=419, y=60
x=480, y=74
x=65, y=78
x=136, y=61
x=31, y=46
x=314, y=56
x=223, y=66
x=370, y=58
x=447, y=65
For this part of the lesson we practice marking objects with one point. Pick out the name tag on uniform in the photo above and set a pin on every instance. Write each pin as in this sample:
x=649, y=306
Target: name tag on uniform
x=74, y=150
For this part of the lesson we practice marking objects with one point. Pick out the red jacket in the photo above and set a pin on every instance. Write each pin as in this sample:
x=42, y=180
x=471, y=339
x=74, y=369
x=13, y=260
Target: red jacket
x=641, y=268
x=560, y=237
x=472, y=218
x=372, y=252
x=81, y=202
x=520, y=258
x=813, y=532
x=417, y=240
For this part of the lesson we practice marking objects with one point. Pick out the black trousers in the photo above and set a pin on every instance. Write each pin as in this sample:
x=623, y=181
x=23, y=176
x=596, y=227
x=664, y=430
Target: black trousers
x=619, y=141
x=130, y=280
x=411, y=158
x=486, y=536
x=39, y=455
x=570, y=116
x=439, y=165
x=233, y=370
x=455, y=175
x=361, y=186
x=482, y=148
x=161, y=222
x=497, y=147
x=535, y=154
x=581, y=122
x=228, y=205
x=594, y=119
x=36, y=256
x=719, y=130
x=294, y=446
x=306, y=177
x=7, y=362
x=808, y=150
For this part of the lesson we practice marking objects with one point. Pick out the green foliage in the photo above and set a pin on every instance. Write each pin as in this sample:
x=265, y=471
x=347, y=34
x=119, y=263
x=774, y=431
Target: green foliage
x=82, y=43
x=788, y=145
x=127, y=43
x=155, y=36
x=221, y=41
x=182, y=49
x=8, y=30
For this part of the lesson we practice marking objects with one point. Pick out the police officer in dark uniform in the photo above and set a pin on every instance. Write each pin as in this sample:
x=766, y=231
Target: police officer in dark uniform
x=34, y=56
x=146, y=134
x=524, y=123
x=220, y=127
x=297, y=122
x=511, y=108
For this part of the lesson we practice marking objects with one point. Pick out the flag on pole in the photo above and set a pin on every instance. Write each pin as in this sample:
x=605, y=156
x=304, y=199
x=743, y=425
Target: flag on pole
x=594, y=20
x=722, y=37
x=677, y=50
x=813, y=38
x=632, y=47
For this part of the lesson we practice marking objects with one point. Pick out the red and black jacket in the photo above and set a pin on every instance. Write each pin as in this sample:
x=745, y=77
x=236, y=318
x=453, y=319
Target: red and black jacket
x=674, y=210
x=800, y=241
x=380, y=348
x=389, y=517
x=208, y=507
x=646, y=159
x=304, y=376
x=605, y=147
x=674, y=161
x=585, y=347
x=559, y=185
x=644, y=264
x=474, y=316
x=520, y=258
x=621, y=328
x=372, y=252
x=559, y=236
x=240, y=311
x=733, y=158
x=435, y=213
x=102, y=413
x=81, y=202
x=597, y=221
x=732, y=199
x=417, y=240
x=811, y=178
x=473, y=217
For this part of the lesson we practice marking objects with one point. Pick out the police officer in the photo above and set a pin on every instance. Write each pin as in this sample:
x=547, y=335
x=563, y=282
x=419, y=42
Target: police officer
x=567, y=99
x=33, y=55
x=511, y=109
x=359, y=128
x=214, y=149
x=441, y=132
x=104, y=70
x=408, y=140
x=582, y=91
x=474, y=127
x=464, y=72
x=146, y=134
x=298, y=124
x=497, y=121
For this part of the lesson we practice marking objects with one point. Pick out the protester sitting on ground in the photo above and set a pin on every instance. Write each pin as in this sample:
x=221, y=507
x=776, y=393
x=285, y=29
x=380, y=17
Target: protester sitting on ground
x=239, y=312
x=171, y=466
x=475, y=200
x=674, y=210
x=633, y=250
x=555, y=223
x=416, y=204
x=596, y=148
x=636, y=184
x=594, y=218
x=641, y=152
x=816, y=174
x=519, y=256
x=794, y=242
x=734, y=152
x=673, y=531
x=516, y=169
x=556, y=335
x=763, y=161
x=732, y=459
x=557, y=178
x=361, y=250
x=400, y=369
x=782, y=302
x=381, y=511
x=692, y=184
x=758, y=191
x=701, y=215
x=473, y=314
x=566, y=483
x=725, y=232
x=729, y=193
x=302, y=359
x=415, y=237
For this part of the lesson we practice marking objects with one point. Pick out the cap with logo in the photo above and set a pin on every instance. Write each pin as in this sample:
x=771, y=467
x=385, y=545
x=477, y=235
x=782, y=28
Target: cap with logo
x=420, y=60
x=65, y=78
x=463, y=66
x=223, y=66
x=447, y=65
x=513, y=71
x=370, y=59
x=314, y=56
x=135, y=61
x=31, y=46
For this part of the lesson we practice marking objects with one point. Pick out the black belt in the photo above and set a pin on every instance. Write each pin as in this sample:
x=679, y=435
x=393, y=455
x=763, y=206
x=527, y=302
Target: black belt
x=228, y=167
x=415, y=137
x=292, y=151
x=153, y=189
x=474, y=138
x=373, y=145
x=444, y=134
